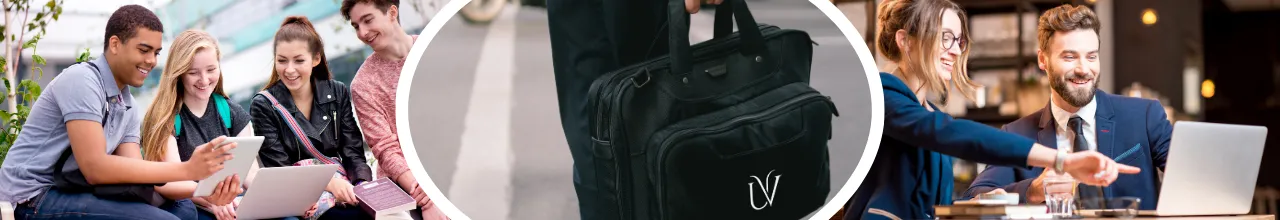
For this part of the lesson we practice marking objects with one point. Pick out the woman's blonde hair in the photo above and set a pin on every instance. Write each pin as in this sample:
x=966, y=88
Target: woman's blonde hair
x=158, y=124
x=922, y=21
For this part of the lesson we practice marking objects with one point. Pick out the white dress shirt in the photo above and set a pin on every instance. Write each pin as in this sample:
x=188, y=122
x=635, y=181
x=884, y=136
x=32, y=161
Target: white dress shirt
x=1066, y=137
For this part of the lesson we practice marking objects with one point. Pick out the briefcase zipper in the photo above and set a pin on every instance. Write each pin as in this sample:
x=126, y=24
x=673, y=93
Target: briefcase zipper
x=619, y=78
x=664, y=148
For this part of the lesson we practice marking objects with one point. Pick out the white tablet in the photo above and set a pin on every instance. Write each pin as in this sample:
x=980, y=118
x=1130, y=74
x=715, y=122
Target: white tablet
x=245, y=154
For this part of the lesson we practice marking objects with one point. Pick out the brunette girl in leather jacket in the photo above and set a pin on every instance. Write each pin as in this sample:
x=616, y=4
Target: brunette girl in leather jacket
x=320, y=106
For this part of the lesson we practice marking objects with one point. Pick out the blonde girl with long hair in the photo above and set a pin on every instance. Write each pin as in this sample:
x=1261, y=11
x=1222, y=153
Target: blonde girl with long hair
x=928, y=42
x=189, y=109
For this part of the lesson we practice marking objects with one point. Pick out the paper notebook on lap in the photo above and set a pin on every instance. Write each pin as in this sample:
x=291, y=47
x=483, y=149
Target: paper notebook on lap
x=382, y=197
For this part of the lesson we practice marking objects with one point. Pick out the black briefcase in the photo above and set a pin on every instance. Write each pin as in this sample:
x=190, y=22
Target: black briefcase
x=710, y=130
x=75, y=182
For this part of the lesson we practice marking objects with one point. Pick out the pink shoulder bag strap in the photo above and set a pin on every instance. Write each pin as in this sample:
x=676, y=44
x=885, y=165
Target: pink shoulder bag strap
x=297, y=131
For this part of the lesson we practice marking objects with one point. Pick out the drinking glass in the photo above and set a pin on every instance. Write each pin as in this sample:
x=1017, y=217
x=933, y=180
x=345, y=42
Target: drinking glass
x=1059, y=195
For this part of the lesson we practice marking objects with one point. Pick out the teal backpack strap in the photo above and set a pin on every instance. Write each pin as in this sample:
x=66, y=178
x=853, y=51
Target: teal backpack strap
x=177, y=125
x=224, y=110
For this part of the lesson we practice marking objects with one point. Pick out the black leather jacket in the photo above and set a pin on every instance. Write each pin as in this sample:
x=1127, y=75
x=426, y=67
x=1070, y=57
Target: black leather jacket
x=332, y=129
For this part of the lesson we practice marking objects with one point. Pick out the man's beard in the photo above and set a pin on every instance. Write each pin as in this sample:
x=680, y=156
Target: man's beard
x=1076, y=98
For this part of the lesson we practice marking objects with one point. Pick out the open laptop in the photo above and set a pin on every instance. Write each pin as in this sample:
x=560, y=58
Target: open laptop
x=1211, y=169
x=284, y=191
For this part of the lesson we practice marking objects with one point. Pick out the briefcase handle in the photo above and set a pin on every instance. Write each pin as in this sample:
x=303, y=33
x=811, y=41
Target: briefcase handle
x=752, y=41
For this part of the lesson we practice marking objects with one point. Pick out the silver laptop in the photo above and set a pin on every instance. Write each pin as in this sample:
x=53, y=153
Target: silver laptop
x=1211, y=169
x=284, y=191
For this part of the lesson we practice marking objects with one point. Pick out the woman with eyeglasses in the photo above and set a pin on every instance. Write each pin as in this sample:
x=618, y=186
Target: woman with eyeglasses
x=928, y=42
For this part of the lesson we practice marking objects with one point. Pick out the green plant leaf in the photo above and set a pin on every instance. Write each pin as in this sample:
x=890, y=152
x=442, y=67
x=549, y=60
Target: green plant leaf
x=26, y=84
x=23, y=112
x=39, y=60
x=84, y=56
x=7, y=84
x=32, y=42
x=32, y=90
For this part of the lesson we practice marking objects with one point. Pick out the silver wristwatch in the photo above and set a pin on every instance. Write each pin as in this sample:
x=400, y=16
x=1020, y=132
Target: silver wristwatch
x=1058, y=163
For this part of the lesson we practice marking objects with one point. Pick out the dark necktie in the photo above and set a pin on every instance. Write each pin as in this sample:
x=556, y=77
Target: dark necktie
x=1088, y=194
x=1077, y=125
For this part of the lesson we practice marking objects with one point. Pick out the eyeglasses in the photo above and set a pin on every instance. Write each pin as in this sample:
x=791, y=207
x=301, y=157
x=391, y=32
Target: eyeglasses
x=950, y=40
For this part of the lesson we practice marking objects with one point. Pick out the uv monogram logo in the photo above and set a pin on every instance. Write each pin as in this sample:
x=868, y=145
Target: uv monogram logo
x=768, y=192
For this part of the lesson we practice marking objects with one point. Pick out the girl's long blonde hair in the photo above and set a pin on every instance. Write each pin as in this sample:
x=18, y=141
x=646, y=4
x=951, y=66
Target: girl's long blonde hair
x=922, y=20
x=158, y=124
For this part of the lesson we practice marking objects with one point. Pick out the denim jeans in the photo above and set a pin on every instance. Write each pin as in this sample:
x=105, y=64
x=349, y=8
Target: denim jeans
x=54, y=204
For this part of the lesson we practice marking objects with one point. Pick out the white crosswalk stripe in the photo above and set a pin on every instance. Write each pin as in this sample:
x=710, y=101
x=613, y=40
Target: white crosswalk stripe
x=485, y=158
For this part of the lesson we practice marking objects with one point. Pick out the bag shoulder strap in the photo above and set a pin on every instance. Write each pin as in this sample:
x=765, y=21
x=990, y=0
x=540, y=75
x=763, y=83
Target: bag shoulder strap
x=297, y=131
x=66, y=154
x=220, y=102
x=177, y=125
x=223, y=111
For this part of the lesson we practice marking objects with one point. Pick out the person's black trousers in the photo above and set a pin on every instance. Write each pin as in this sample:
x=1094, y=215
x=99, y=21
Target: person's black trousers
x=588, y=39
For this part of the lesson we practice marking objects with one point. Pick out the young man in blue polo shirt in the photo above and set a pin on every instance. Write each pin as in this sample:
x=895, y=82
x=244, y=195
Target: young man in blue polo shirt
x=89, y=109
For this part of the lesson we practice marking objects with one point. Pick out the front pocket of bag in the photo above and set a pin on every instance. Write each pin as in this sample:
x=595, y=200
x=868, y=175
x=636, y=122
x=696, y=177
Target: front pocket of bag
x=763, y=159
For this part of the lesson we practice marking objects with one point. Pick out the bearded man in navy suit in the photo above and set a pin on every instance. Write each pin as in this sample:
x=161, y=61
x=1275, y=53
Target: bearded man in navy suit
x=1079, y=117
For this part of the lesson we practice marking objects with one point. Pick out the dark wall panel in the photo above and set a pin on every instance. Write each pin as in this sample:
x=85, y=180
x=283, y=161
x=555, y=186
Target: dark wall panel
x=1153, y=55
x=1242, y=50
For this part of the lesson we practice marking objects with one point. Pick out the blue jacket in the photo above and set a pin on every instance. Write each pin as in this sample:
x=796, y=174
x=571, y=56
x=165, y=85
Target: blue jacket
x=1132, y=131
x=912, y=169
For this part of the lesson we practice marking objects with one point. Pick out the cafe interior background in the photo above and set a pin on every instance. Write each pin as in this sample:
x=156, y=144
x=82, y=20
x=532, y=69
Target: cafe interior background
x=1205, y=60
